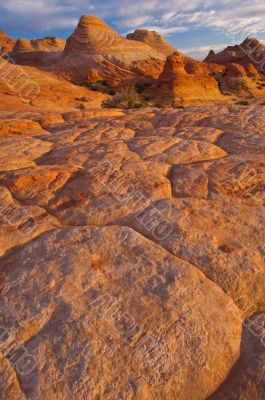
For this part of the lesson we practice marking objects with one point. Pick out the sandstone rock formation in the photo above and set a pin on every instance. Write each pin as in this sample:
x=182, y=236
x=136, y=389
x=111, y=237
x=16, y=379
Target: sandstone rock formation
x=132, y=240
x=47, y=44
x=242, y=81
x=186, y=80
x=153, y=39
x=96, y=52
x=250, y=51
x=242, y=382
x=38, y=52
x=235, y=79
x=102, y=318
x=94, y=45
x=6, y=42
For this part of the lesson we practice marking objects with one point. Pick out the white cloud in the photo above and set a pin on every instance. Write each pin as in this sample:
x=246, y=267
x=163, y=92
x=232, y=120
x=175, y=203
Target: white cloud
x=29, y=7
x=167, y=31
x=135, y=22
x=231, y=17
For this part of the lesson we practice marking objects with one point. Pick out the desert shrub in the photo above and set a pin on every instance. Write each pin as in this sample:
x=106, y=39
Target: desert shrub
x=147, y=98
x=86, y=84
x=140, y=88
x=103, y=82
x=81, y=98
x=82, y=107
x=112, y=92
x=39, y=120
x=99, y=86
x=242, y=103
x=138, y=105
x=147, y=84
x=96, y=88
x=125, y=98
x=159, y=105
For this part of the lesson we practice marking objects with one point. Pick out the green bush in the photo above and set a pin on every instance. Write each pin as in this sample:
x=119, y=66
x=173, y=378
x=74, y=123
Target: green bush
x=39, y=120
x=126, y=98
x=95, y=88
x=86, y=84
x=103, y=82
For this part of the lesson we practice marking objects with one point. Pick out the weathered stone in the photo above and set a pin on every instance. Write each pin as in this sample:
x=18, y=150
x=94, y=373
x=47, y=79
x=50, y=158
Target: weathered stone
x=89, y=309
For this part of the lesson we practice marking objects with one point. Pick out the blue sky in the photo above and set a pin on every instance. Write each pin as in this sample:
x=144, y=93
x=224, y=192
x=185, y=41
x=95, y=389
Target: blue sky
x=193, y=26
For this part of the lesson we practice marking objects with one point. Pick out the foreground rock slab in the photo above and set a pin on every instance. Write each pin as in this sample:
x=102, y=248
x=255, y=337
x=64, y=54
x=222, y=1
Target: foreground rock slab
x=129, y=320
x=246, y=379
x=132, y=248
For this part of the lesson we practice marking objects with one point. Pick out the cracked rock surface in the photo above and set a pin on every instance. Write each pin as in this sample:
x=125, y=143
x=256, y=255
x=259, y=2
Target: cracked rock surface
x=132, y=251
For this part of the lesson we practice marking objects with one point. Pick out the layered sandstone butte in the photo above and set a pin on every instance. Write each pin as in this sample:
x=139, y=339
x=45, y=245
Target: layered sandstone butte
x=242, y=82
x=94, y=46
x=153, y=39
x=6, y=42
x=243, y=75
x=38, y=52
x=237, y=80
x=249, y=52
x=186, y=80
x=48, y=44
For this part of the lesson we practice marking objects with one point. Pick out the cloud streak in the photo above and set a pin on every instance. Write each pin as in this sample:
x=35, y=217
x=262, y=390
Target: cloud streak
x=235, y=19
